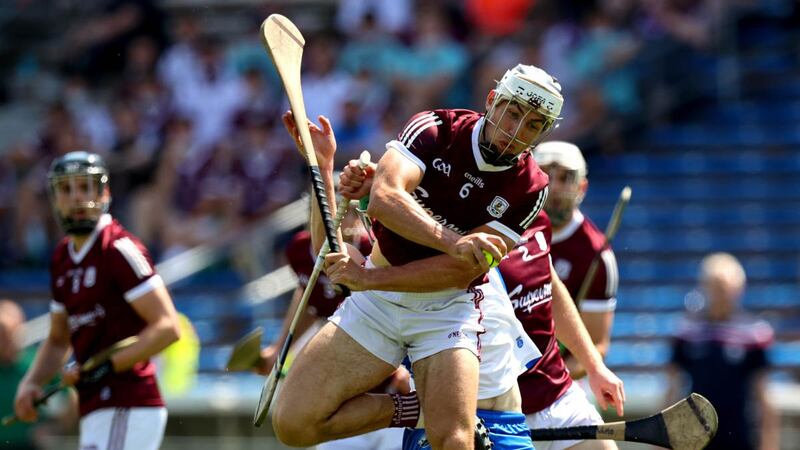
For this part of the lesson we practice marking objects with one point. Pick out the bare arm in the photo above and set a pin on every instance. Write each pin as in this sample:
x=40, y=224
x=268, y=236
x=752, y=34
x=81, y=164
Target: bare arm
x=50, y=357
x=426, y=275
x=52, y=354
x=770, y=418
x=324, y=142
x=161, y=329
x=598, y=324
x=392, y=204
x=607, y=388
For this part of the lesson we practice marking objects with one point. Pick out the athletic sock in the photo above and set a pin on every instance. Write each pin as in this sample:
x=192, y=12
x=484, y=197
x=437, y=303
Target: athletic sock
x=406, y=410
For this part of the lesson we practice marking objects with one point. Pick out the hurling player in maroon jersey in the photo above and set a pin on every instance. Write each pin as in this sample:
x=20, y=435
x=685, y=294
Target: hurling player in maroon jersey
x=453, y=184
x=324, y=298
x=541, y=302
x=576, y=241
x=105, y=289
x=322, y=303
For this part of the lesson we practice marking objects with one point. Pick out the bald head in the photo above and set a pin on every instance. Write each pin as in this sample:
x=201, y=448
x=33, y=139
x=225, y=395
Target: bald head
x=11, y=319
x=723, y=280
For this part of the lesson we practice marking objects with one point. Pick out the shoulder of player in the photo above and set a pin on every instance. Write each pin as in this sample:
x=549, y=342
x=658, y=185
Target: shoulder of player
x=440, y=123
x=300, y=240
x=298, y=250
x=60, y=252
x=538, y=180
x=115, y=232
x=591, y=233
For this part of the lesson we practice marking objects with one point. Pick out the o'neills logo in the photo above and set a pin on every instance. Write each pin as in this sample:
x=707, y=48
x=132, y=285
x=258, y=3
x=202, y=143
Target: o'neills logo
x=533, y=298
x=88, y=318
x=477, y=180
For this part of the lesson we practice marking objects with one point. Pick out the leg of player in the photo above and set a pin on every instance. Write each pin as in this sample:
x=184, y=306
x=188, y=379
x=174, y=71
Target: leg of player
x=323, y=397
x=447, y=385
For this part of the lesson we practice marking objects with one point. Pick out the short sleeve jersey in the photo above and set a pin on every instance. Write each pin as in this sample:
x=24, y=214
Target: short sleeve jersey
x=574, y=248
x=526, y=274
x=95, y=287
x=324, y=298
x=722, y=360
x=458, y=188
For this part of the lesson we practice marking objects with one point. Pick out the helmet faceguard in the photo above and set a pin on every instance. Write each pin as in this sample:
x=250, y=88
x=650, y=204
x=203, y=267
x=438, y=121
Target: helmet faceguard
x=564, y=164
x=525, y=107
x=77, y=184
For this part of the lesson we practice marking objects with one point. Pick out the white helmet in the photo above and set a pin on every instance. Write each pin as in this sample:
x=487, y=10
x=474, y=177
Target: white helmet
x=564, y=163
x=564, y=154
x=530, y=87
x=535, y=87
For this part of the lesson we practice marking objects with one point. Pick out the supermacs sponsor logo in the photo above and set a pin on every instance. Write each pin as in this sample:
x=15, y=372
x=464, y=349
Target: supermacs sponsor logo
x=86, y=319
x=419, y=195
x=532, y=298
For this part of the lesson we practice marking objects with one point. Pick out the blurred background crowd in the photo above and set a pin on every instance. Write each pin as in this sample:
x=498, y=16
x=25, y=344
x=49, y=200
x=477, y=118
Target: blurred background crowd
x=694, y=103
x=181, y=100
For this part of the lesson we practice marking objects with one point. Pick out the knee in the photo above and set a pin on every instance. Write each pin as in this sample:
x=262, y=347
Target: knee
x=294, y=429
x=459, y=437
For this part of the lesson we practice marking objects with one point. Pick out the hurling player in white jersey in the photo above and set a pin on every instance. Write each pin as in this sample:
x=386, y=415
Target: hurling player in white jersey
x=576, y=242
x=418, y=293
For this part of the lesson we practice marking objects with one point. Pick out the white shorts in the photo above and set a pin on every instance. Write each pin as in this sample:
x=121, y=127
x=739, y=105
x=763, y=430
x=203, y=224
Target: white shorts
x=391, y=325
x=385, y=439
x=140, y=428
x=571, y=409
x=506, y=349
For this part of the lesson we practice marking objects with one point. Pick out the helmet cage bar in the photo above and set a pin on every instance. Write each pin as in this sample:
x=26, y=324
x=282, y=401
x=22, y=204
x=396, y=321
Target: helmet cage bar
x=500, y=156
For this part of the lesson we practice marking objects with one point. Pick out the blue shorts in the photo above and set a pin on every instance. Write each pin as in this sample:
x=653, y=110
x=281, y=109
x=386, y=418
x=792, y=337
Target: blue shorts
x=507, y=431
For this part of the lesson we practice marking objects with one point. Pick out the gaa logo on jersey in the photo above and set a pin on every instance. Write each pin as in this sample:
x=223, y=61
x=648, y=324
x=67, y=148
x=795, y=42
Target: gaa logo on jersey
x=498, y=206
x=442, y=166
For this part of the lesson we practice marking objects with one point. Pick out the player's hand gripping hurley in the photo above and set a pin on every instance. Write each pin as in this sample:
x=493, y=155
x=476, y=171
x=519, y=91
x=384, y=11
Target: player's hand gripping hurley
x=268, y=391
x=91, y=364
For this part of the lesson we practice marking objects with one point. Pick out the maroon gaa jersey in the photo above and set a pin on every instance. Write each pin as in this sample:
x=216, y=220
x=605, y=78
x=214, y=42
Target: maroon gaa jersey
x=300, y=254
x=95, y=287
x=526, y=274
x=574, y=247
x=458, y=188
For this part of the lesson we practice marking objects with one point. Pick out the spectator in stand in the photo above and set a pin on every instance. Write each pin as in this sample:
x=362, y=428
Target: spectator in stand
x=33, y=225
x=180, y=62
x=96, y=45
x=212, y=97
x=322, y=81
x=394, y=17
x=723, y=350
x=427, y=75
x=178, y=150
